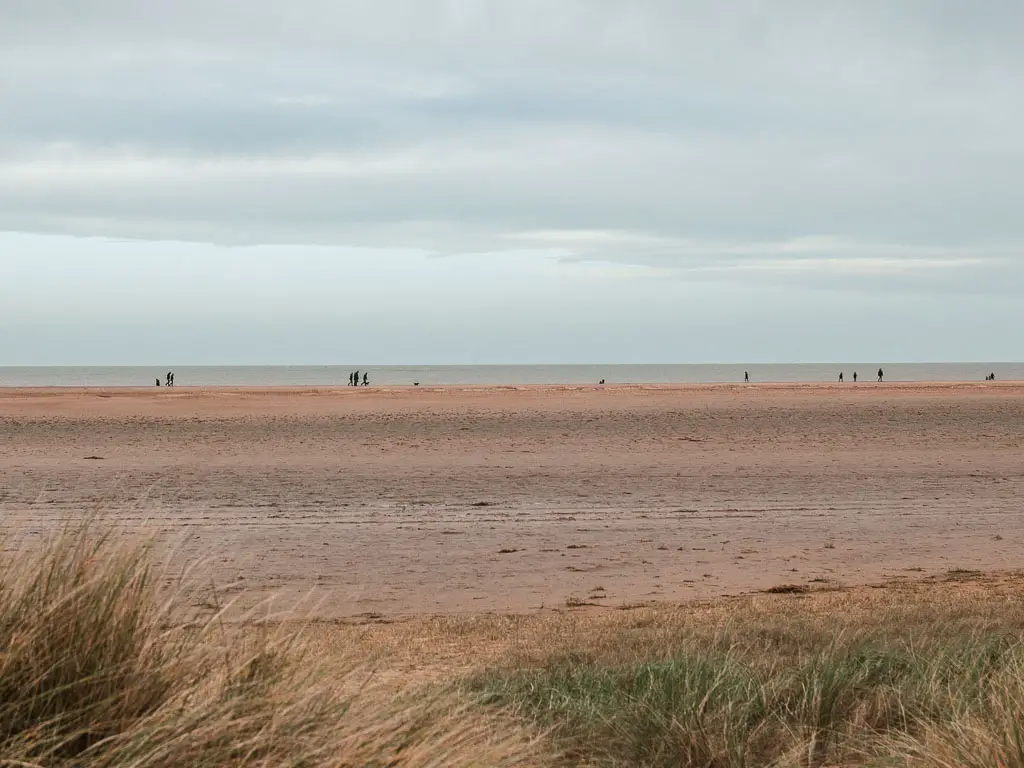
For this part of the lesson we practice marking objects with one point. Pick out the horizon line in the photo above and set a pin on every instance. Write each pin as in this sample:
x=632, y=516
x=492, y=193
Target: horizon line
x=513, y=365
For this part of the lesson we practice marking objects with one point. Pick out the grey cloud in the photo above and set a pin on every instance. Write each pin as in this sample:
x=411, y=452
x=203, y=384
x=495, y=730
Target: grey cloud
x=459, y=127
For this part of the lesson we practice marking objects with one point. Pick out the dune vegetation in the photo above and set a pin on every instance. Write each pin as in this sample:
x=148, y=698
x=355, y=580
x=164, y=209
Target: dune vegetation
x=105, y=662
x=855, y=697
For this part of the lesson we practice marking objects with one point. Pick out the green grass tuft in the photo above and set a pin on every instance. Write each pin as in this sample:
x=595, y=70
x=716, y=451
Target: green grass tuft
x=858, y=699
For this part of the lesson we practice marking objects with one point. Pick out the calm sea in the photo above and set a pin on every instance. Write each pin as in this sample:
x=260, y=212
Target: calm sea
x=299, y=375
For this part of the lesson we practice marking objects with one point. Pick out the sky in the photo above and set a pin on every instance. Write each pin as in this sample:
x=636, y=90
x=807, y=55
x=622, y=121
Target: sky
x=510, y=181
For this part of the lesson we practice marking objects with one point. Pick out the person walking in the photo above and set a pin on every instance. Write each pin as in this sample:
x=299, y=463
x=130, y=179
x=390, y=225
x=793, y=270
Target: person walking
x=746, y=377
x=840, y=377
x=880, y=374
x=854, y=377
x=366, y=379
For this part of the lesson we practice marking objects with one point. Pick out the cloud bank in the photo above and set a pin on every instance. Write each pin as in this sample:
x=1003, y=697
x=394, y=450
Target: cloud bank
x=870, y=144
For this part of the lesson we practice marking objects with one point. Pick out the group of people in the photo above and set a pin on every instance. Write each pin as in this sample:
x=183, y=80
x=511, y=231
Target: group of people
x=170, y=379
x=354, y=381
x=881, y=374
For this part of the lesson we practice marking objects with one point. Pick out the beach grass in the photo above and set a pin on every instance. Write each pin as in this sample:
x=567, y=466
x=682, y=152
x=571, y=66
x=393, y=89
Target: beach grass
x=103, y=662
x=908, y=688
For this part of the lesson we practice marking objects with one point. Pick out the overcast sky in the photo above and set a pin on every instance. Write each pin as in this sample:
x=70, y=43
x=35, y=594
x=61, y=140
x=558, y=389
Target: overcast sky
x=502, y=181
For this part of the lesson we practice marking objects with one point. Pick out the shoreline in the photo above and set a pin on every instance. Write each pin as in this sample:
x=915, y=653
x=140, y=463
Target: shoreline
x=611, y=386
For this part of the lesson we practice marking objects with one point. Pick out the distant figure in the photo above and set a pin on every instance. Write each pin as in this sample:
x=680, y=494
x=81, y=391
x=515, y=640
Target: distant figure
x=840, y=377
x=854, y=377
x=158, y=382
x=601, y=381
x=991, y=377
x=366, y=379
x=415, y=383
x=746, y=377
x=351, y=379
x=170, y=376
x=880, y=374
x=355, y=379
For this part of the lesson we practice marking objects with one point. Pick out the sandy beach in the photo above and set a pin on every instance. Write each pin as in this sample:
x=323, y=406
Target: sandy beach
x=397, y=502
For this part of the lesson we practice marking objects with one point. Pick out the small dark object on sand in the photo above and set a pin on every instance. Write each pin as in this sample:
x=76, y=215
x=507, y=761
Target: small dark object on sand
x=788, y=589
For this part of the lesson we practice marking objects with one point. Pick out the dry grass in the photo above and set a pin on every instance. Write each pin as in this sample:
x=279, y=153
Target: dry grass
x=99, y=666
x=98, y=669
x=910, y=673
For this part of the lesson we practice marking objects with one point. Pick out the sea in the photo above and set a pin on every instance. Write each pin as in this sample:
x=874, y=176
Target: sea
x=470, y=375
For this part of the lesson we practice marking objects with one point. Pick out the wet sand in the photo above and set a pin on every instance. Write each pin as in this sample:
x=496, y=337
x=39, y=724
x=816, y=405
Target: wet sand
x=410, y=501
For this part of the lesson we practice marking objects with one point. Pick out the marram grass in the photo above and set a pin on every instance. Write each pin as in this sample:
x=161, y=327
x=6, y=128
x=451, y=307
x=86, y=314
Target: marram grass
x=102, y=663
x=99, y=668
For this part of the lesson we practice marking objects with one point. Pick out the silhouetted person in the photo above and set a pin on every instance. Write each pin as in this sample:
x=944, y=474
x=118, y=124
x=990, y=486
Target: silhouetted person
x=880, y=374
x=854, y=377
x=351, y=378
x=601, y=381
x=168, y=378
x=746, y=377
x=366, y=379
x=991, y=377
x=840, y=377
x=158, y=382
x=355, y=378
x=172, y=378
